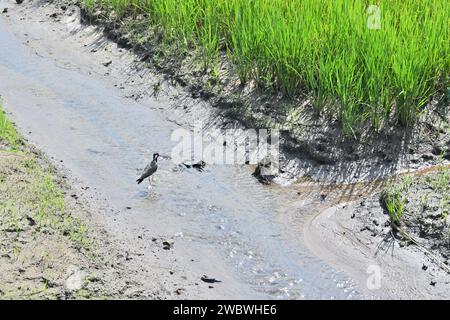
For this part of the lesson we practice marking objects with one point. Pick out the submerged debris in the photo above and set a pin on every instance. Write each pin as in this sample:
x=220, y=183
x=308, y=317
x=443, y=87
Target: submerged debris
x=265, y=172
x=206, y=279
x=167, y=245
x=179, y=291
x=200, y=165
x=264, y=179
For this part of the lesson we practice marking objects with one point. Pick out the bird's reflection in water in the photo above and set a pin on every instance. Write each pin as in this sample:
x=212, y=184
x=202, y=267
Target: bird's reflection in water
x=147, y=194
x=153, y=195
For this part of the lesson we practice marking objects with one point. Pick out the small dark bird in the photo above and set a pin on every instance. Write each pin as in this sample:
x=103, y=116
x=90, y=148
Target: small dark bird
x=149, y=170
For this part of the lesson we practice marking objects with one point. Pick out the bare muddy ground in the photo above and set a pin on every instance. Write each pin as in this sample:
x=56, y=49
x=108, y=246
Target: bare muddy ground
x=99, y=113
x=50, y=247
x=360, y=233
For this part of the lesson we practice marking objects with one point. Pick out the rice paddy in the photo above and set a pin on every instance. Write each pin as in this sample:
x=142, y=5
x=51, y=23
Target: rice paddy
x=377, y=62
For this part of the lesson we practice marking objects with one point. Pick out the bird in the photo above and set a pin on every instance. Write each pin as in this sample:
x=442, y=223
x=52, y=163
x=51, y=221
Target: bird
x=149, y=170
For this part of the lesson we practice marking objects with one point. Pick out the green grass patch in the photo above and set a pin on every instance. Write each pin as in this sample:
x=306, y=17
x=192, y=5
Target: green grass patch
x=394, y=201
x=30, y=193
x=30, y=196
x=40, y=237
x=37, y=229
x=396, y=196
x=8, y=134
x=328, y=49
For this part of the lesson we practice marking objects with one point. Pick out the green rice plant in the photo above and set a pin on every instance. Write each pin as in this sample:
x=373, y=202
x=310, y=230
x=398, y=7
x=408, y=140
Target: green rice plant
x=323, y=48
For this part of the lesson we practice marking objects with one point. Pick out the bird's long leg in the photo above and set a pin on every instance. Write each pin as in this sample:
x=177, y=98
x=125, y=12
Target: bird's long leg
x=150, y=182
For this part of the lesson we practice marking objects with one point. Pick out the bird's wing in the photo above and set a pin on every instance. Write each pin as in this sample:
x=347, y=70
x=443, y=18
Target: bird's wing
x=148, y=171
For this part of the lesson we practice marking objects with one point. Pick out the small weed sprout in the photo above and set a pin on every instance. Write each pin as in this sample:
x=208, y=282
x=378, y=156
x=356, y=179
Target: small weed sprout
x=395, y=204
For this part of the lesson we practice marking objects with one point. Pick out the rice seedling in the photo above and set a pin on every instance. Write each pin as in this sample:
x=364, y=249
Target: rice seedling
x=324, y=48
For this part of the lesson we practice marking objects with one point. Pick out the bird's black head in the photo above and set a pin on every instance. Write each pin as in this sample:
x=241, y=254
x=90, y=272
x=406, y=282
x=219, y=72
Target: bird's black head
x=155, y=156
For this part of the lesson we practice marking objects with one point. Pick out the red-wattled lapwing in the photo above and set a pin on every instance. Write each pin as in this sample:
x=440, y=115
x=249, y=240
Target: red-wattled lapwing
x=149, y=170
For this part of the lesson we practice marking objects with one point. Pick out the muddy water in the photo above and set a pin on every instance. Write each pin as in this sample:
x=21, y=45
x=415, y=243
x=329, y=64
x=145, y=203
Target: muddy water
x=234, y=228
